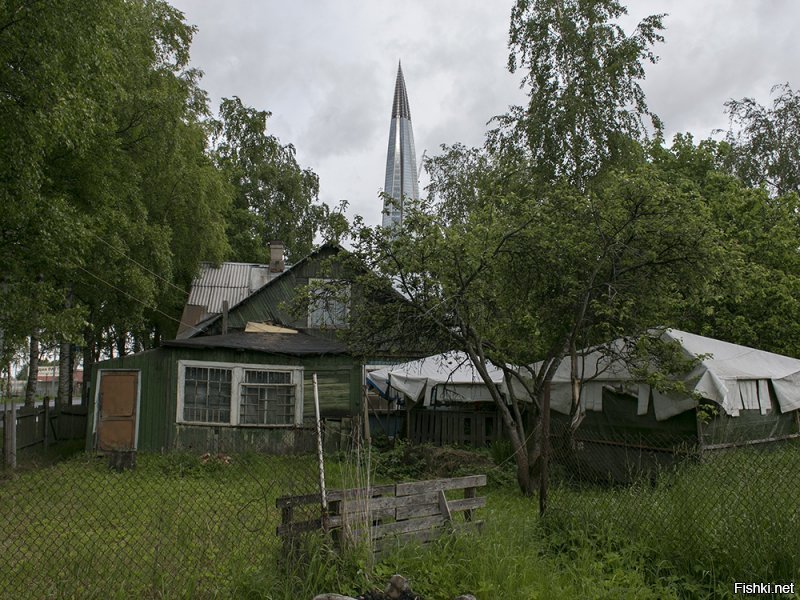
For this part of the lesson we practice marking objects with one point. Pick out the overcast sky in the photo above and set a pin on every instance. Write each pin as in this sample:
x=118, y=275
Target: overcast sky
x=326, y=70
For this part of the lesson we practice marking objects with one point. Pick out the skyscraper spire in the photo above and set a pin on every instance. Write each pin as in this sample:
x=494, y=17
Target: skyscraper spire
x=402, y=181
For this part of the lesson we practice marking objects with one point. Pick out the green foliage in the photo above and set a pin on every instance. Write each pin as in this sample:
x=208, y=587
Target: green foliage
x=752, y=294
x=406, y=461
x=173, y=528
x=582, y=73
x=765, y=142
x=103, y=163
x=274, y=198
x=699, y=528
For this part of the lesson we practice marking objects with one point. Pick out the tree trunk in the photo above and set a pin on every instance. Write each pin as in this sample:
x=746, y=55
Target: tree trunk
x=121, y=342
x=88, y=360
x=33, y=370
x=545, y=444
x=64, y=375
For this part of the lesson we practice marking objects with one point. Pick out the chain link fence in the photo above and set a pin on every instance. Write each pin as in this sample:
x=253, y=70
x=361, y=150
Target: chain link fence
x=184, y=524
x=178, y=524
x=725, y=512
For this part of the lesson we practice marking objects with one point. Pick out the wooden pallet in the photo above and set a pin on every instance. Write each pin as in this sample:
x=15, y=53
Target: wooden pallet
x=389, y=515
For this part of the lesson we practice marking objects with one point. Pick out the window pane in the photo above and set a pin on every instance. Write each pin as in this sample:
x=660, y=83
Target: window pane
x=268, y=377
x=207, y=395
x=328, y=306
x=267, y=398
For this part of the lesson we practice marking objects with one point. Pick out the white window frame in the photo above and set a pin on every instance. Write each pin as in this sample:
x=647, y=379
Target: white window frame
x=314, y=283
x=237, y=379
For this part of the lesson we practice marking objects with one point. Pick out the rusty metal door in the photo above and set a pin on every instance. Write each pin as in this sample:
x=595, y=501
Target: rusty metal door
x=117, y=406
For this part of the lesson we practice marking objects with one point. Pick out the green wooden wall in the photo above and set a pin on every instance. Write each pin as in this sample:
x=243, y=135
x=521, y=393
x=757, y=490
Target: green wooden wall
x=339, y=382
x=273, y=302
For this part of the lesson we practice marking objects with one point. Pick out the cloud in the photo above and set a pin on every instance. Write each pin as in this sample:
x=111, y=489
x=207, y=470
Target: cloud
x=326, y=70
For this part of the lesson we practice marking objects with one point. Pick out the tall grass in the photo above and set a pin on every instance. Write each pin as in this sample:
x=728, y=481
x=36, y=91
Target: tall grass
x=734, y=516
x=179, y=527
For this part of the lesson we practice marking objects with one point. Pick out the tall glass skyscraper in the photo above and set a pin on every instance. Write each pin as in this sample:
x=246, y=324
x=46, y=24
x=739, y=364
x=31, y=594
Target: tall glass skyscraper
x=402, y=181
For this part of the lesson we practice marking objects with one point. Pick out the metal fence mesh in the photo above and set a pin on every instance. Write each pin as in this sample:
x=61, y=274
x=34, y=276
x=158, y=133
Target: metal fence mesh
x=730, y=513
x=182, y=524
x=188, y=524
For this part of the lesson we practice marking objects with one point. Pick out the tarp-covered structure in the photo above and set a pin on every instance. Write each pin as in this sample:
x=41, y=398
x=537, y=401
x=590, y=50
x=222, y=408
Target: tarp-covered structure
x=733, y=395
x=447, y=401
x=446, y=378
x=733, y=377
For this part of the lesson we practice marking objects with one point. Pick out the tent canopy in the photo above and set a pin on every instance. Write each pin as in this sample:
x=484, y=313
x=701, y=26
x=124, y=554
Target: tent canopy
x=447, y=377
x=732, y=376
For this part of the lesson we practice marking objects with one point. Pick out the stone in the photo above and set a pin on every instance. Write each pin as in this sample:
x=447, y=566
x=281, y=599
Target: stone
x=333, y=597
x=397, y=586
x=465, y=597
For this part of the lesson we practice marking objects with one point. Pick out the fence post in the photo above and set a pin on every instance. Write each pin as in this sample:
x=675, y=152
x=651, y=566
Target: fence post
x=543, y=477
x=46, y=421
x=11, y=435
x=320, y=456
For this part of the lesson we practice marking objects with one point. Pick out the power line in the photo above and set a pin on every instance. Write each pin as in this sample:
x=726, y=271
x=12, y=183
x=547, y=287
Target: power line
x=134, y=261
x=134, y=298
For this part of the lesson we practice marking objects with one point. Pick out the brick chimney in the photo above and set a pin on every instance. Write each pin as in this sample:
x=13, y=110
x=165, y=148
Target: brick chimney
x=276, y=262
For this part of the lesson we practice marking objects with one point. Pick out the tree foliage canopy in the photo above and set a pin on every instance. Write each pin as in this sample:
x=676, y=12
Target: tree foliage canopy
x=765, y=141
x=111, y=194
x=275, y=199
x=582, y=73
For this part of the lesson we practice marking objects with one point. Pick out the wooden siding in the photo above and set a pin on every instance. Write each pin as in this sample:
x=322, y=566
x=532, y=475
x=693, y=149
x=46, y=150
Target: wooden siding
x=158, y=429
x=464, y=427
x=334, y=388
x=273, y=301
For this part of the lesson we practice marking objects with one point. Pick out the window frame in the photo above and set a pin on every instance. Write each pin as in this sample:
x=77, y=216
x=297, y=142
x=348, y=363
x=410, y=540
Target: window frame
x=237, y=381
x=315, y=283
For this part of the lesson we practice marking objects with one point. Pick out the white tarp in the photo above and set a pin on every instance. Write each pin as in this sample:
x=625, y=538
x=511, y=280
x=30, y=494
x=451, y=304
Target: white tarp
x=450, y=377
x=734, y=377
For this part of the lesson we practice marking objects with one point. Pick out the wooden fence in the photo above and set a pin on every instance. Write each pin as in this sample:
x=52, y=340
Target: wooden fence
x=389, y=514
x=46, y=425
x=442, y=427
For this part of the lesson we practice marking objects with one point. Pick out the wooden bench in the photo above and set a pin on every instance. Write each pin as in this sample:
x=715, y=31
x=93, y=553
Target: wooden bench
x=389, y=514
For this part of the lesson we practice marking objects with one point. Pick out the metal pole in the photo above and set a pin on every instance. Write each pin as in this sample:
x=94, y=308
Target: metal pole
x=46, y=420
x=11, y=436
x=320, y=456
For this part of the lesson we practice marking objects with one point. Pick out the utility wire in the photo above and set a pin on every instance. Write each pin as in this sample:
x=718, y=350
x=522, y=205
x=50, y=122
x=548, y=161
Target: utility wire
x=134, y=298
x=134, y=261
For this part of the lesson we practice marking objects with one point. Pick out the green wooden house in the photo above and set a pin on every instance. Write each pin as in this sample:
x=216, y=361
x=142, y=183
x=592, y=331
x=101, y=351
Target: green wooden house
x=239, y=375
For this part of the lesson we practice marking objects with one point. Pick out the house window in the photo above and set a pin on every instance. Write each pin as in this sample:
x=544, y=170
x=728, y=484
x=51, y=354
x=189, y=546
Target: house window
x=328, y=307
x=207, y=395
x=228, y=394
x=267, y=398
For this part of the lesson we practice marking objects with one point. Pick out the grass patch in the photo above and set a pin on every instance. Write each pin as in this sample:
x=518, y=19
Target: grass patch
x=184, y=526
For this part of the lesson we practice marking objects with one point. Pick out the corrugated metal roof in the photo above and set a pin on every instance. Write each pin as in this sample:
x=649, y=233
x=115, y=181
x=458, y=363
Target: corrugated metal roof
x=230, y=281
x=295, y=344
x=212, y=286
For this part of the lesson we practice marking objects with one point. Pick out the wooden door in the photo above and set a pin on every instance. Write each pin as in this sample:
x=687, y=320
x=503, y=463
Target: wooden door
x=116, y=415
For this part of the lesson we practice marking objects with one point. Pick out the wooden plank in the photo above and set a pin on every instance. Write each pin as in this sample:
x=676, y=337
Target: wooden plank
x=401, y=501
x=298, y=527
x=434, y=485
x=333, y=495
x=355, y=493
x=353, y=519
x=468, y=504
x=417, y=510
x=395, y=541
x=443, y=508
x=392, y=542
x=381, y=531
